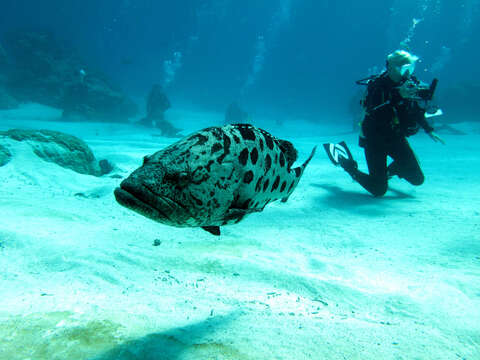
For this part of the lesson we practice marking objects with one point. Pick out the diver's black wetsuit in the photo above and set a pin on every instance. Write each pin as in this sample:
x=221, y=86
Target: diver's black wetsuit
x=389, y=119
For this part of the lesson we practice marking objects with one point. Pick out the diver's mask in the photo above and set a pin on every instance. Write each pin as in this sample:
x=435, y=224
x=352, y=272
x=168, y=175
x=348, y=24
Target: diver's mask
x=401, y=65
x=406, y=70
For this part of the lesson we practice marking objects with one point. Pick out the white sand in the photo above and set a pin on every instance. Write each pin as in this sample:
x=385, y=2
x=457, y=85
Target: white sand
x=331, y=274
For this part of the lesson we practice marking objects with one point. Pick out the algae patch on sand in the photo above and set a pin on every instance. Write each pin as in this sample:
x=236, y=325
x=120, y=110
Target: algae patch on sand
x=56, y=335
x=66, y=335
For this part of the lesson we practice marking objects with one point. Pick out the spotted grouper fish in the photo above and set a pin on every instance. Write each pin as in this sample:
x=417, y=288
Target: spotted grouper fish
x=213, y=177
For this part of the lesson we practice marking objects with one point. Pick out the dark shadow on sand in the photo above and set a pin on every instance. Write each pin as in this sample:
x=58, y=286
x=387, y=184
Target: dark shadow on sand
x=174, y=343
x=359, y=200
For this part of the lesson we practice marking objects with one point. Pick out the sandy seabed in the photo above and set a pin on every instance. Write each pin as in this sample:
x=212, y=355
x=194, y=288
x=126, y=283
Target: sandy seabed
x=332, y=274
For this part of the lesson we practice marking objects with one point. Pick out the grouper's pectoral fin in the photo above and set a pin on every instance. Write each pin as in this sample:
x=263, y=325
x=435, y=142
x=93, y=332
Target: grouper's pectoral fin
x=236, y=215
x=214, y=230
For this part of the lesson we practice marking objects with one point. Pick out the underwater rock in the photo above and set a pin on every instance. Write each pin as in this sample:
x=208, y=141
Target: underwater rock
x=95, y=99
x=46, y=73
x=62, y=149
x=5, y=155
x=105, y=166
x=41, y=71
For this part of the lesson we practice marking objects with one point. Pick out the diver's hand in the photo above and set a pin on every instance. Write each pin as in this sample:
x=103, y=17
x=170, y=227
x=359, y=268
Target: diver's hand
x=408, y=90
x=435, y=137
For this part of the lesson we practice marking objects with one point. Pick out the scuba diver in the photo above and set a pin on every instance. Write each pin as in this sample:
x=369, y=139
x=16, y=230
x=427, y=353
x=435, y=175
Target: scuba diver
x=157, y=105
x=393, y=112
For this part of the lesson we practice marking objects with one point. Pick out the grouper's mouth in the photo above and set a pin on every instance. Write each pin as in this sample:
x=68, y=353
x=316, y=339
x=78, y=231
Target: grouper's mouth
x=144, y=202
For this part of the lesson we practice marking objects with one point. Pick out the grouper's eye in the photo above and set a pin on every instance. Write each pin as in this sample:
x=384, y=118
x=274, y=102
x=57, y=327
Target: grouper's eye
x=183, y=179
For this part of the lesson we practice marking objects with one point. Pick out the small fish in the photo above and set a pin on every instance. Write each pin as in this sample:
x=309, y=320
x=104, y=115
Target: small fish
x=213, y=177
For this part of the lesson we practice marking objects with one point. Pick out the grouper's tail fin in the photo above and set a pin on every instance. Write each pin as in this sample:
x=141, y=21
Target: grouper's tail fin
x=298, y=172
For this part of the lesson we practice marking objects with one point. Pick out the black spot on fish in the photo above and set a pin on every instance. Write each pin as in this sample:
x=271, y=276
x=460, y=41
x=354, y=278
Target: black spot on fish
x=268, y=163
x=209, y=164
x=282, y=160
x=212, y=193
x=245, y=204
x=248, y=177
x=258, y=187
x=291, y=186
x=215, y=131
x=246, y=132
x=198, y=201
x=201, y=139
x=185, y=153
x=243, y=157
x=254, y=155
x=239, y=218
x=265, y=185
x=276, y=183
x=284, y=185
x=298, y=171
x=203, y=152
x=226, y=148
x=216, y=147
x=236, y=139
x=268, y=141
x=261, y=144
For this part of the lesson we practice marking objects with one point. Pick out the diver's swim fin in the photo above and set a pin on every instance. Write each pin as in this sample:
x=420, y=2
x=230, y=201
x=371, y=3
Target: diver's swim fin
x=336, y=151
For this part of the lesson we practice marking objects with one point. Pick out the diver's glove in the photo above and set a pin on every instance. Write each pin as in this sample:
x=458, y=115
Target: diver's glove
x=435, y=137
x=408, y=90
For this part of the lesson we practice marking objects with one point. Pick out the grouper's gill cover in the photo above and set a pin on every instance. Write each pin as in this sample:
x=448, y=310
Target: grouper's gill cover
x=213, y=177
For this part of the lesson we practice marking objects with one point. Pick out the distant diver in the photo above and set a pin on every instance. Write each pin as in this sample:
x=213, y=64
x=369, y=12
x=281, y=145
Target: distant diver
x=213, y=177
x=396, y=105
x=235, y=115
x=157, y=105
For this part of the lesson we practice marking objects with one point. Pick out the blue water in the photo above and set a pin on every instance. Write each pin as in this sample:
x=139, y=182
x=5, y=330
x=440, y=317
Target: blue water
x=310, y=55
x=333, y=271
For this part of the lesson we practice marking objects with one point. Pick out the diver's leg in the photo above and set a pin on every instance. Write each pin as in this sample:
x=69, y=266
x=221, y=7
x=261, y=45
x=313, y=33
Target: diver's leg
x=405, y=164
x=376, y=181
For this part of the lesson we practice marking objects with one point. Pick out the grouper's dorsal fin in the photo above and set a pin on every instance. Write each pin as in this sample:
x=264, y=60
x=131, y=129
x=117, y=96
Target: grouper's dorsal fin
x=214, y=230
